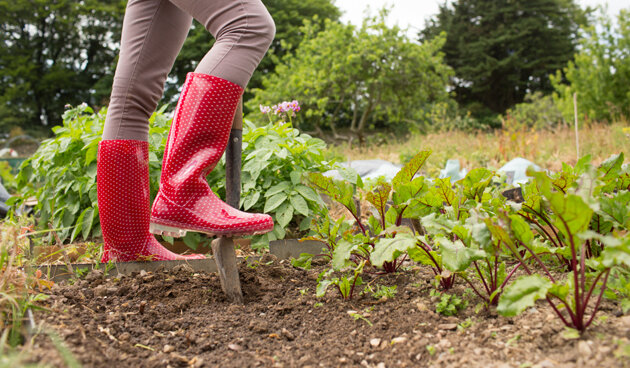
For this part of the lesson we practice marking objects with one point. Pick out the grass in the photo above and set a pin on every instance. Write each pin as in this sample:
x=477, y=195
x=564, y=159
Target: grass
x=19, y=289
x=547, y=149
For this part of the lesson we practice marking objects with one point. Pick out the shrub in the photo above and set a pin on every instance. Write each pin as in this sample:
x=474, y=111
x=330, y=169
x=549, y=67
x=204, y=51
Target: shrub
x=537, y=112
x=599, y=74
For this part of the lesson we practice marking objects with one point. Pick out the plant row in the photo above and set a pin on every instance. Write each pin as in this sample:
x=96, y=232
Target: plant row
x=560, y=242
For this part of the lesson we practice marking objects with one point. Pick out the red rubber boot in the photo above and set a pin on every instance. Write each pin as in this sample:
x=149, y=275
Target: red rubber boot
x=197, y=139
x=123, y=201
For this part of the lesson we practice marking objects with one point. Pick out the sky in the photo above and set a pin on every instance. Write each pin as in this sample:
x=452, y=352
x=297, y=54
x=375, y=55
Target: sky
x=412, y=13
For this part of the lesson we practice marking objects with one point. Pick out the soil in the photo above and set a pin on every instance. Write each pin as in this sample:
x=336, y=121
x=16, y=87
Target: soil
x=182, y=319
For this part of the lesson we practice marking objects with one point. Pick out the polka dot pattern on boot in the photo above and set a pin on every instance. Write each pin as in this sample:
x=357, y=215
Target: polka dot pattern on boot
x=124, y=203
x=197, y=139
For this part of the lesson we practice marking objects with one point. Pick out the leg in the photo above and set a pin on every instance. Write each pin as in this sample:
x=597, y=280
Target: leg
x=153, y=32
x=203, y=118
x=243, y=30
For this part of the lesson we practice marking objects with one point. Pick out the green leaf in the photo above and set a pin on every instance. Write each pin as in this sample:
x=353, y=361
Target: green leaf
x=88, y=221
x=423, y=206
x=344, y=286
x=68, y=219
x=521, y=230
x=250, y=200
x=296, y=177
x=480, y=233
x=77, y=228
x=571, y=215
x=443, y=190
x=322, y=286
x=278, y=232
x=610, y=168
x=462, y=233
x=300, y=205
x=476, y=182
x=559, y=290
x=389, y=249
x=522, y=294
x=274, y=202
x=341, y=254
x=340, y=191
x=350, y=175
x=308, y=193
x=284, y=214
x=456, y=257
x=411, y=168
x=192, y=240
x=153, y=157
x=303, y=261
x=278, y=188
x=90, y=155
x=419, y=255
x=616, y=252
x=434, y=224
x=91, y=171
x=379, y=196
x=616, y=208
x=305, y=224
x=406, y=192
x=375, y=224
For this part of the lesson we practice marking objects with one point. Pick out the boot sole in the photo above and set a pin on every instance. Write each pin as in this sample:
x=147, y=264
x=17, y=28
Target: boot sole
x=179, y=232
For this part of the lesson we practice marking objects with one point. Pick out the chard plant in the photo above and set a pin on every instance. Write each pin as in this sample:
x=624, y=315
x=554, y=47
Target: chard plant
x=568, y=211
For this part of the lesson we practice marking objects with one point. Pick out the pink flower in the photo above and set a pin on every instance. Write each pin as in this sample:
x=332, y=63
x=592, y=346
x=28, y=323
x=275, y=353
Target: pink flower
x=264, y=109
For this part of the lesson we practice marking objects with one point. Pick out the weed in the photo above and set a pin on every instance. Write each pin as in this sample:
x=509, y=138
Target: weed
x=358, y=316
x=381, y=291
x=466, y=324
x=450, y=305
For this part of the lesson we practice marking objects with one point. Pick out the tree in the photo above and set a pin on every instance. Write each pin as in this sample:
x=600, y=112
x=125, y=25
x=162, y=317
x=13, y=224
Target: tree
x=358, y=77
x=503, y=49
x=600, y=73
x=54, y=53
x=288, y=15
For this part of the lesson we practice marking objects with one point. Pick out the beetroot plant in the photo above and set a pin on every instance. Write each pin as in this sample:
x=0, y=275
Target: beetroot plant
x=569, y=212
x=378, y=245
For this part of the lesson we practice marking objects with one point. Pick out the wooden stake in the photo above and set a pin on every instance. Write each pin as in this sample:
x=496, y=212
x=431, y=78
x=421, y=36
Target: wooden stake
x=577, y=137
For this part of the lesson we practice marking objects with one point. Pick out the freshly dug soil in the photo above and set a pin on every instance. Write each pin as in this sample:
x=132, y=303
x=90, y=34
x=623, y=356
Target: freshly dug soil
x=182, y=319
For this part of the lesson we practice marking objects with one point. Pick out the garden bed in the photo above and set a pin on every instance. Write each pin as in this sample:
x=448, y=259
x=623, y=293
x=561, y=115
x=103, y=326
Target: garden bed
x=182, y=318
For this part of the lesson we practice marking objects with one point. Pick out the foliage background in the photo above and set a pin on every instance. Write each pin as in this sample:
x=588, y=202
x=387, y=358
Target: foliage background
x=54, y=53
x=358, y=78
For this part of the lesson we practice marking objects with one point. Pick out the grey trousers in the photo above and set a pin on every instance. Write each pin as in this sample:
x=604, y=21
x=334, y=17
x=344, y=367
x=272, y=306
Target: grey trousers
x=153, y=34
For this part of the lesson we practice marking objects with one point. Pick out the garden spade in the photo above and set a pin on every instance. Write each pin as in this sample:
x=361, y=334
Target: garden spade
x=223, y=247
